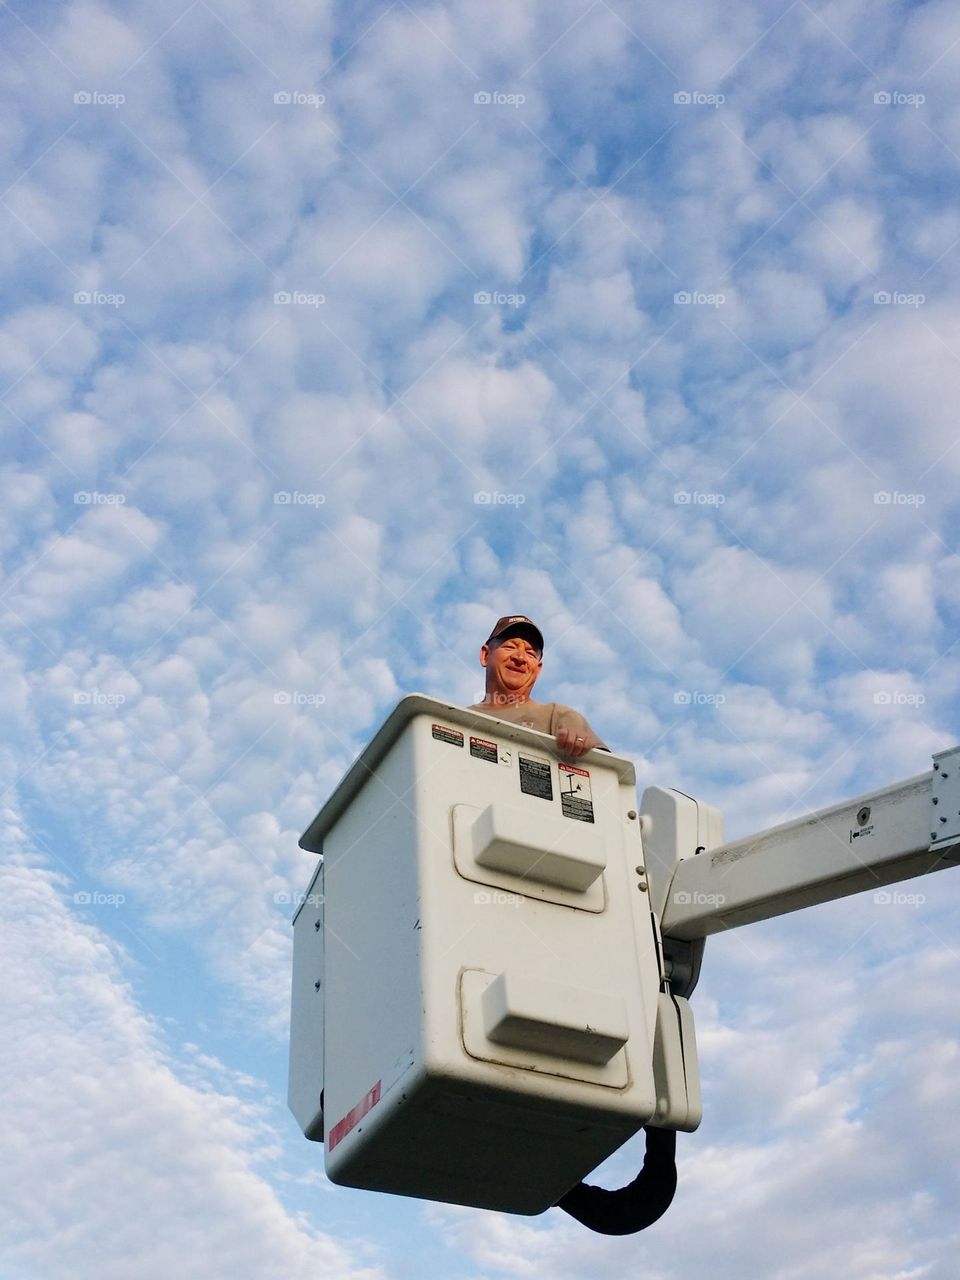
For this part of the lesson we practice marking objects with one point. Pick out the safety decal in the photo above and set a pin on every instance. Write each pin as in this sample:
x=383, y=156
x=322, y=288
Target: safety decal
x=354, y=1116
x=483, y=750
x=445, y=734
x=576, y=797
x=535, y=777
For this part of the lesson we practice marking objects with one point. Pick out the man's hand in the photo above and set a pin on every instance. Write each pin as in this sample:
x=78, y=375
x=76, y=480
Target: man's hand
x=574, y=742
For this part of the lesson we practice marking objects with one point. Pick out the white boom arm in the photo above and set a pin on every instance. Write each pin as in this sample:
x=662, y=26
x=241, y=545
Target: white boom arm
x=702, y=886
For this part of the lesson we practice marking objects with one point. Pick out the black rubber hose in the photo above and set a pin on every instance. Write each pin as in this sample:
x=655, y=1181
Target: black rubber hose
x=636, y=1206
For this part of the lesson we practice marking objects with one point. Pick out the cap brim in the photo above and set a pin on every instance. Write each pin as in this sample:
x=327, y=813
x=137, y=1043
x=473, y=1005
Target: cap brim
x=525, y=629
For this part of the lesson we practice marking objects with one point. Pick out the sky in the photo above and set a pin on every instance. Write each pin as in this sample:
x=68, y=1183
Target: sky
x=330, y=334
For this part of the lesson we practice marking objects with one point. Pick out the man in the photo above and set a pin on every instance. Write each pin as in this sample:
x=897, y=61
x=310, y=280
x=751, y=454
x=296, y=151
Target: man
x=513, y=659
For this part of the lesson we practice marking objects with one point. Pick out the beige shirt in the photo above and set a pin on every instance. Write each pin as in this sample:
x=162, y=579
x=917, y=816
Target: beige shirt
x=548, y=717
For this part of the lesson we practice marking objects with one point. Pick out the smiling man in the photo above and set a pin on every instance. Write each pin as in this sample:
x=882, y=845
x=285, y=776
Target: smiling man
x=513, y=658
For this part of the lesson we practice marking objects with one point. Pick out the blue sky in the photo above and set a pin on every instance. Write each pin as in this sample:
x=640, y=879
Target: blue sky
x=272, y=459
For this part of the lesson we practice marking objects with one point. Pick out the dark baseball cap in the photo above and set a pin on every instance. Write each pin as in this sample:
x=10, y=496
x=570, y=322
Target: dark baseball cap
x=516, y=624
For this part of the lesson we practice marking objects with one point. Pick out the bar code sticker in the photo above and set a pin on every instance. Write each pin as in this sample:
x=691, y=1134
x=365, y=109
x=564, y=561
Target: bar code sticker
x=535, y=777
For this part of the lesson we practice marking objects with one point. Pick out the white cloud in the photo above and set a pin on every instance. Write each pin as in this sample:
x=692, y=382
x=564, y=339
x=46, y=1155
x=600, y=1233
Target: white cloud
x=81, y=566
x=199, y=599
x=789, y=612
x=783, y=307
x=158, y=1174
x=907, y=596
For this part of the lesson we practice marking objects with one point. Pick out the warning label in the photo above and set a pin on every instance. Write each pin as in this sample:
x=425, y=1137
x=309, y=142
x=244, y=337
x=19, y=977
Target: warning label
x=576, y=797
x=535, y=777
x=483, y=750
x=446, y=734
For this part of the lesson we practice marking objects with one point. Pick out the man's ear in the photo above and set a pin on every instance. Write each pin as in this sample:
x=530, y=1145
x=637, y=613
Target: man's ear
x=484, y=654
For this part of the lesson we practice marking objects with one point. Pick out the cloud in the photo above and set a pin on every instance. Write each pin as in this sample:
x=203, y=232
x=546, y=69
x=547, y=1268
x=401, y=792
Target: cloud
x=105, y=540
x=789, y=616
x=158, y=1173
x=281, y=532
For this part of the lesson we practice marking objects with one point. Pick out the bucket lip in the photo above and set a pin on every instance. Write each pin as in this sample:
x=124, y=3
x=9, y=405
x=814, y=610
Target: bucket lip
x=415, y=704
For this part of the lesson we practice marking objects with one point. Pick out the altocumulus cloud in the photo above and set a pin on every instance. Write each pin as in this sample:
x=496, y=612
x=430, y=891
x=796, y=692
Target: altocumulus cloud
x=156, y=1175
x=728, y=444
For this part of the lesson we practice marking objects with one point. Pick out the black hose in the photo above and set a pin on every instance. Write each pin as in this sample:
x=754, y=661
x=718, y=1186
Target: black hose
x=637, y=1205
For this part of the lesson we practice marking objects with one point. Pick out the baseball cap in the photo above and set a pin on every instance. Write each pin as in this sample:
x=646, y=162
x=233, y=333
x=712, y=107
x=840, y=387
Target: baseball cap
x=516, y=624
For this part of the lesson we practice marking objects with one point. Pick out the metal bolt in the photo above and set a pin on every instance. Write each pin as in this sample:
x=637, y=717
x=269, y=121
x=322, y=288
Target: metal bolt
x=640, y=870
x=632, y=814
x=935, y=800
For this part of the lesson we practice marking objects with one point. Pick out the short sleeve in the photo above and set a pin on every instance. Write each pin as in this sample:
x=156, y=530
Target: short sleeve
x=564, y=717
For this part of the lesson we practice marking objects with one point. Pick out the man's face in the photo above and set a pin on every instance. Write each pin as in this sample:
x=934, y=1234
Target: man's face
x=512, y=665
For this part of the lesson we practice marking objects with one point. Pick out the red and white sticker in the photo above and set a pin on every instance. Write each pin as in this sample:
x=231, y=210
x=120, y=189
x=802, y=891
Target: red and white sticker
x=443, y=733
x=353, y=1116
x=576, y=796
